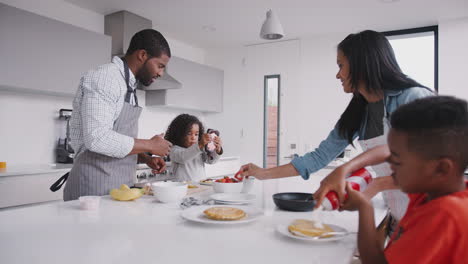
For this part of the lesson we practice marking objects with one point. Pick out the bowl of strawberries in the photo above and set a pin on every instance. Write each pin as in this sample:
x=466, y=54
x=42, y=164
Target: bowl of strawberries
x=233, y=184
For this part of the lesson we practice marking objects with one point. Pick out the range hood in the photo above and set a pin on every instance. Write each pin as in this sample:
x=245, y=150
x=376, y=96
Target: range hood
x=121, y=26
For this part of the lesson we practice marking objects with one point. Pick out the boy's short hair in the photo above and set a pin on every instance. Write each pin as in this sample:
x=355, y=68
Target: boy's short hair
x=437, y=127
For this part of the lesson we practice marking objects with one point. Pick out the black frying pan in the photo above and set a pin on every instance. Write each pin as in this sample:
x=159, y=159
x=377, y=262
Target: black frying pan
x=298, y=202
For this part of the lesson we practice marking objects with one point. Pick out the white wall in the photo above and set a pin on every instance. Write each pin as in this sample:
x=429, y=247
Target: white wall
x=29, y=125
x=453, y=56
x=313, y=107
x=311, y=101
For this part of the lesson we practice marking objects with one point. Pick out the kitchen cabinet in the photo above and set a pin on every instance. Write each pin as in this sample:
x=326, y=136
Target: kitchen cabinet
x=44, y=55
x=29, y=189
x=202, y=87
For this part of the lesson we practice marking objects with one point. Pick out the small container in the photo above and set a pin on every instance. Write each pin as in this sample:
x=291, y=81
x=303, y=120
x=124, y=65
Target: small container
x=2, y=164
x=358, y=180
x=89, y=202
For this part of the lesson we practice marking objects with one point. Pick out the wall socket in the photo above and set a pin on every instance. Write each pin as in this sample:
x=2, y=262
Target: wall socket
x=293, y=146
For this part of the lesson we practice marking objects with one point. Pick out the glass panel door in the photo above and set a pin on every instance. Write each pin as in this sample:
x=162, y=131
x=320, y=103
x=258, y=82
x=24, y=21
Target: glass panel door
x=271, y=121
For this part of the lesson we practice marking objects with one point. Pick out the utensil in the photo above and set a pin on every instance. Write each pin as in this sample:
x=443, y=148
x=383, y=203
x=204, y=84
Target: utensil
x=283, y=230
x=334, y=233
x=297, y=202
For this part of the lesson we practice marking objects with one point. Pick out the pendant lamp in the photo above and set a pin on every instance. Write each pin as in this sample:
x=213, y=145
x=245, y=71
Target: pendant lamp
x=271, y=28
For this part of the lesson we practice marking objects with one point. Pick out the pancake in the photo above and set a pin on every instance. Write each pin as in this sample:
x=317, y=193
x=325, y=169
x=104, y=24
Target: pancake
x=308, y=228
x=224, y=213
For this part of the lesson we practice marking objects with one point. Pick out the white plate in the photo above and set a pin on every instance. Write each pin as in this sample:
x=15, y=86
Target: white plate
x=196, y=214
x=233, y=198
x=206, y=183
x=283, y=229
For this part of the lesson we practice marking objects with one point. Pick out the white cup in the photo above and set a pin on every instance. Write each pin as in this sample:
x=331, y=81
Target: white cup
x=89, y=202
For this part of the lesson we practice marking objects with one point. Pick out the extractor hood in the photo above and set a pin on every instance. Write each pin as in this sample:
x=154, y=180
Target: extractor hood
x=121, y=26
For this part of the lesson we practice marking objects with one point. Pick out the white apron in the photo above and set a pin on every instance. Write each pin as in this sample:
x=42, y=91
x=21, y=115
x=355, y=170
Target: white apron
x=396, y=200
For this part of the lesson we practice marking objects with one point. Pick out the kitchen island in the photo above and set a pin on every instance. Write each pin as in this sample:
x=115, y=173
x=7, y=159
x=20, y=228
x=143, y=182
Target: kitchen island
x=146, y=231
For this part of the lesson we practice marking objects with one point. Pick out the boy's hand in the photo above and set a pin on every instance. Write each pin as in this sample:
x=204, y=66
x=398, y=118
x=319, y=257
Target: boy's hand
x=335, y=181
x=355, y=199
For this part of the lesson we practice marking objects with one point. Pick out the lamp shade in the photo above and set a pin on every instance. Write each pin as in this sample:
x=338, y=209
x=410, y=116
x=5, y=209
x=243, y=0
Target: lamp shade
x=271, y=28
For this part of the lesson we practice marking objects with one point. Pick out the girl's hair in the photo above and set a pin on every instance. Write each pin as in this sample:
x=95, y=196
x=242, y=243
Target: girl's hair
x=180, y=127
x=372, y=62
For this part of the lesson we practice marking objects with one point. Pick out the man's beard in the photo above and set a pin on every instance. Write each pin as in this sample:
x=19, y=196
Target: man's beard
x=144, y=76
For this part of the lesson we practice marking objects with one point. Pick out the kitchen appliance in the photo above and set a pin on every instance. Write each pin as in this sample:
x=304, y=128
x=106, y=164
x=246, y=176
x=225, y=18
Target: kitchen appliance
x=64, y=151
x=297, y=202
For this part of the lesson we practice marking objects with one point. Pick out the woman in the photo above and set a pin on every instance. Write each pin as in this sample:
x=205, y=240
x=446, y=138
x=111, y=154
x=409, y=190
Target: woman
x=369, y=70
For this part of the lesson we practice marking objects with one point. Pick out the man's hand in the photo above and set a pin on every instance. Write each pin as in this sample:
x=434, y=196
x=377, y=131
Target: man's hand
x=159, y=146
x=354, y=200
x=157, y=164
x=335, y=181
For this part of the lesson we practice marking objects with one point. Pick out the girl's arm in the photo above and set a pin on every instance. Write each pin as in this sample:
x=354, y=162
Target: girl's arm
x=182, y=155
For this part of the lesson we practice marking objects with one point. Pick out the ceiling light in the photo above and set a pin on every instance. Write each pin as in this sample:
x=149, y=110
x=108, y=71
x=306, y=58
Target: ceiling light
x=271, y=28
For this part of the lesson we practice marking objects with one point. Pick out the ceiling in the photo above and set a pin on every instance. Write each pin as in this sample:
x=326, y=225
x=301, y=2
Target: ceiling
x=235, y=23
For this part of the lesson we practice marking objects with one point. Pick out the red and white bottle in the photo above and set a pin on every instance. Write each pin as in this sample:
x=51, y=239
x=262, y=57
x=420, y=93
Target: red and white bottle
x=358, y=179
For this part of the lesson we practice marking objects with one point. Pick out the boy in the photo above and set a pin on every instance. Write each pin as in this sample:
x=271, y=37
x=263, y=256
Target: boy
x=428, y=145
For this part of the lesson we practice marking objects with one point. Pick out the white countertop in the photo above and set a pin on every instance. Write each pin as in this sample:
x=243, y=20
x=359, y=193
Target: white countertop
x=146, y=231
x=29, y=169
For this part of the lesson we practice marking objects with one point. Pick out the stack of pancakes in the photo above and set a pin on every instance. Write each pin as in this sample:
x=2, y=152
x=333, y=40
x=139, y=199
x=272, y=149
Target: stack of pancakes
x=224, y=213
x=308, y=228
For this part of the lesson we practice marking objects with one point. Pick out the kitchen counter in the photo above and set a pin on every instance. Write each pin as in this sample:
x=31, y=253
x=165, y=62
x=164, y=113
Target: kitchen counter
x=21, y=170
x=146, y=231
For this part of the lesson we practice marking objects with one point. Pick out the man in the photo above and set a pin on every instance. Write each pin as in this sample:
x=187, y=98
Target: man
x=104, y=124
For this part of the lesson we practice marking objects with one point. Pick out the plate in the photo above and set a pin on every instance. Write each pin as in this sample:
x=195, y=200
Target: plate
x=233, y=198
x=283, y=229
x=208, y=182
x=195, y=214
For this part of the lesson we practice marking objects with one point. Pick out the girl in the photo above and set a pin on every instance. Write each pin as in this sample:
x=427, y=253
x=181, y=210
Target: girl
x=189, y=155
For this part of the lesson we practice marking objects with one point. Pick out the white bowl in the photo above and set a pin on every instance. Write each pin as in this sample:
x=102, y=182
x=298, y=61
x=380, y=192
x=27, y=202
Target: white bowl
x=169, y=192
x=232, y=187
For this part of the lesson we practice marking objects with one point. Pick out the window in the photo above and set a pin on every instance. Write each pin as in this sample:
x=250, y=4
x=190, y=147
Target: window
x=271, y=121
x=416, y=52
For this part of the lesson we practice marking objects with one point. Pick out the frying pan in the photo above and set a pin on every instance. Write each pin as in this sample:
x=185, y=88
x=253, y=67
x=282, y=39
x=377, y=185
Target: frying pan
x=293, y=201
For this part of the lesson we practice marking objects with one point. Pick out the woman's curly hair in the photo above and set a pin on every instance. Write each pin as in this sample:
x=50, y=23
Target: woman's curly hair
x=180, y=127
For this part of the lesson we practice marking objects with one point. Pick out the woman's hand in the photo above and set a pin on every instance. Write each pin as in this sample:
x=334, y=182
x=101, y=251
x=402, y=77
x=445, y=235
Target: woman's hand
x=218, y=144
x=354, y=200
x=335, y=181
x=252, y=170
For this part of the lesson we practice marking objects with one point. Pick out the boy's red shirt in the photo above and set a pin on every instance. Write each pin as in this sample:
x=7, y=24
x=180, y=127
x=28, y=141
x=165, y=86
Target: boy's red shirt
x=432, y=232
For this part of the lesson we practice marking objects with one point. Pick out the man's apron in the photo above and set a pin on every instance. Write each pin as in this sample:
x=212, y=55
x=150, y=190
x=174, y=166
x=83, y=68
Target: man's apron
x=97, y=174
x=396, y=200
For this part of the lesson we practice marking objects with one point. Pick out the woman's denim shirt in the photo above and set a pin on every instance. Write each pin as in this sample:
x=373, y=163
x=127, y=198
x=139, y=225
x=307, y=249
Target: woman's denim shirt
x=334, y=145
